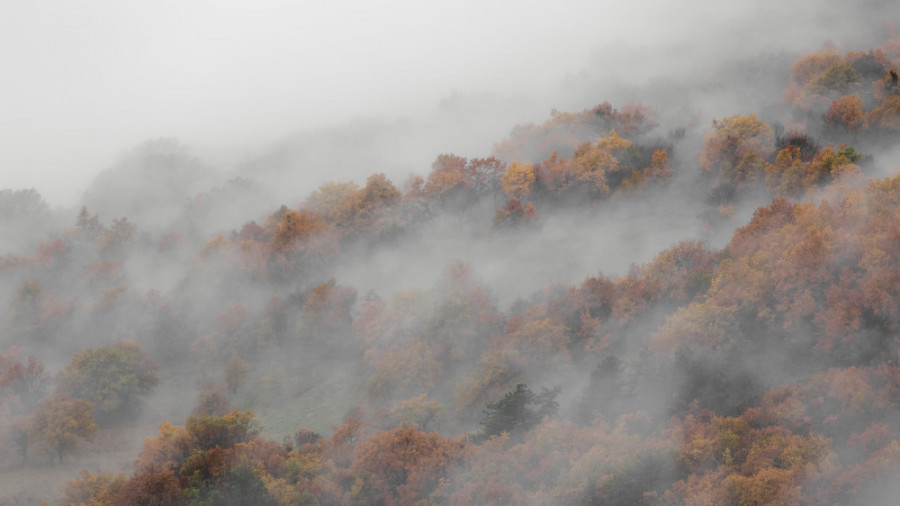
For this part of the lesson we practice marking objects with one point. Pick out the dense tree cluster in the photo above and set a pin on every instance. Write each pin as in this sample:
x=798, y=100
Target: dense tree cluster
x=764, y=370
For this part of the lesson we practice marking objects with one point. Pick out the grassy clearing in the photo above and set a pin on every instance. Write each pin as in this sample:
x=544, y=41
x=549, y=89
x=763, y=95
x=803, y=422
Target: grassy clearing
x=318, y=408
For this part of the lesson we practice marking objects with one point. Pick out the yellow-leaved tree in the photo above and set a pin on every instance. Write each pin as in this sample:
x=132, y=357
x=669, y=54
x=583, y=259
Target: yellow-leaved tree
x=518, y=179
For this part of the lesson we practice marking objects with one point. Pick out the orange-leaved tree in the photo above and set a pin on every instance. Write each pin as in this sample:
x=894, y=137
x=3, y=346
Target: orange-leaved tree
x=735, y=151
x=518, y=179
x=404, y=465
x=60, y=421
x=847, y=112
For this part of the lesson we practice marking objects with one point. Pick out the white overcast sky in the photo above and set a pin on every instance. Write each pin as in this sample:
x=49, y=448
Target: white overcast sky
x=81, y=81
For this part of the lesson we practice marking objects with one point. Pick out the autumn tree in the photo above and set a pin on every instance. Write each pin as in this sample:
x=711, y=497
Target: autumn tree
x=154, y=484
x=555, y=174
x=790, y=175
x=208, y=432
x=114, y=378
x=517, y=180
x=60, y=421
x=806, y=70
x=293, y=227
x=513, y=214
x=22, y=385
x=565, y=131
x=847, y=112
x=326, y=199
x=595, y=163
x=735, y=151
x=447, y=174
x=419, y=411
x=403, y=466
x=886, y=116
x=838, y=78
x=99, y=489
x=888, y=85
x=484, y=175
x=364, y=210
x=659, y=171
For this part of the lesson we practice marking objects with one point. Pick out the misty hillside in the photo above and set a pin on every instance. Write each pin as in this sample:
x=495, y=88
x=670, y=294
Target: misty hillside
x=690, y=297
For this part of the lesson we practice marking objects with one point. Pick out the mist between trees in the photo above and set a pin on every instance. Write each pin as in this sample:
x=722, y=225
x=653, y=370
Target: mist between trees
x=621, y=304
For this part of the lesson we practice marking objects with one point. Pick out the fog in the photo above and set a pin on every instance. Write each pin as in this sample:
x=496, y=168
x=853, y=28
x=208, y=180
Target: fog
x=167, y=145
x=84, y=82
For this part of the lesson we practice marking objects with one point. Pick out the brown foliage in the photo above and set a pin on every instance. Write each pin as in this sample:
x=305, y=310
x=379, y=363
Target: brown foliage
x=514, y=214
x=294, y=227
x=101, y=489
x=152, y=485
x=847, y=112
x=564, y=132
x=60, y=421
x=404, y=465
x=736, y=149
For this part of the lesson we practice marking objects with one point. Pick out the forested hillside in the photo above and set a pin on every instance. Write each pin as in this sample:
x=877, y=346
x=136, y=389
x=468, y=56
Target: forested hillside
x=623, y=304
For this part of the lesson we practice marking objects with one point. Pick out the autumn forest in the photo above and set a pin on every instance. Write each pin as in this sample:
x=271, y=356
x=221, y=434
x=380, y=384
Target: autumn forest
x=625, y=303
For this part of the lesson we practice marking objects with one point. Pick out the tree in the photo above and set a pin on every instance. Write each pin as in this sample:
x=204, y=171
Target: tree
x=484, y=175
x=95, y=489
x=119, y=234
x=512, y=413
x=555, y=174
x=417, y=411
x=114, y=378
x=838, y=78
x=327, y=198
x=361, y=210
x=88, y=225
x=60, y=421
x=152, y=485
x=846, y=111
x=517, y=180
x=886, y=116
x=810, y=66
x=734, y=138
x=242, y=488
x=404, y=465
x=593, y=164
x=16, y=205
x=208, y=432
x=22, y=385
x=514, y=214
x=293, y=227
x=447, y=173
x=735, y=151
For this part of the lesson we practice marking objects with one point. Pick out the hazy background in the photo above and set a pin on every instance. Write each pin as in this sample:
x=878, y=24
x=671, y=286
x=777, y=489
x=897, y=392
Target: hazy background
x=84, y=81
